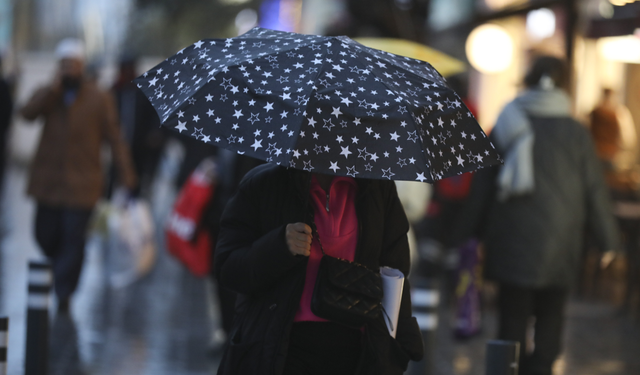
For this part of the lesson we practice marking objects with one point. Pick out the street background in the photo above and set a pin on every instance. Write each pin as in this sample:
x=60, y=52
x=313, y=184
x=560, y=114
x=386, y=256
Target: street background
x=167, y=321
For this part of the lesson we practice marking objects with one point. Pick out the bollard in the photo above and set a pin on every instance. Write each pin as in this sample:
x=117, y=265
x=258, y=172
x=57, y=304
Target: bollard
x=37, y=348
x=4, y=344
x=502, y=357
x=425, y=299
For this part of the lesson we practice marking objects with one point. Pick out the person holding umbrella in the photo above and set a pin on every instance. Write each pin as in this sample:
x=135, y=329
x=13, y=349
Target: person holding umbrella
x=267, y=253
x=302, y=240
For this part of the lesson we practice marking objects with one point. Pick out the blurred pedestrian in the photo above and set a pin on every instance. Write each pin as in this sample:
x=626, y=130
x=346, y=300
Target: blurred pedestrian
x=66, y=177
x=614, y=133
x=605, y=130
x=532, y=211
x=140, y=124
x=6, y=110
x=267, y=254
x=615, y=138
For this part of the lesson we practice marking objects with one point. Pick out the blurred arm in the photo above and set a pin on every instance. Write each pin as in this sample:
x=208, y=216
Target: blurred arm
x=247, y=261
x=119, y=149
x=599, y=209
x=41, y=103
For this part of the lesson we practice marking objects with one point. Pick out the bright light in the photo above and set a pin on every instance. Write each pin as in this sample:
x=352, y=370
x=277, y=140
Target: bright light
x=498, y=4
x=541, y=23
x=489, y=48
x=606, y=9
x=620, y=48
x=618, y=3
x=246, y=20
x=234, y=2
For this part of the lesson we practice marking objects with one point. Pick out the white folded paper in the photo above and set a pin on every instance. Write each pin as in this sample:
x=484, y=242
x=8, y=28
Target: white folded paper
x=392, y=285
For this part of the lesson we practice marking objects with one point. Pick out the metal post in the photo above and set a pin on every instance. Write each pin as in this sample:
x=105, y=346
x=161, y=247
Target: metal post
x=425, y=299
x=502, y=357
x=37, y=348
x=4, y=344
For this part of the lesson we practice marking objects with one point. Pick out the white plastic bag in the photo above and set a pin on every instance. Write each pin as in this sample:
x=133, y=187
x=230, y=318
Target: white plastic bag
x=131, y=242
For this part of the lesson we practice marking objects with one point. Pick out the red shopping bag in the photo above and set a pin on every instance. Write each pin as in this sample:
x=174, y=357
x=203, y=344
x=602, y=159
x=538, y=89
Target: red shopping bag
x=186, y=239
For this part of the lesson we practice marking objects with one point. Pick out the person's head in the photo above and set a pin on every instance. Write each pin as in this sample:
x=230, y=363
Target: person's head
x=608, y=95
x=127, y=69
x=70, y=54
x=546, y=72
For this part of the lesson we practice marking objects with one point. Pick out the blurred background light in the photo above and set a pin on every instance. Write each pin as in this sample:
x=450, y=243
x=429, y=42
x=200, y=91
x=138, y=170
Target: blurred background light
x=498, y=4
x=444, y=64
x=489, y=48
x=234, y=2
x=605, y=9
x=246, y=20
x=283, y=15
x=541, y=23
x=620, y=48
x=619, y=3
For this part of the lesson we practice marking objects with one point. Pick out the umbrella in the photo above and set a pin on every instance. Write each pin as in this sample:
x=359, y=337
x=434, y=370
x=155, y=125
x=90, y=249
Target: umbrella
x=443, y=63
x=322, y=104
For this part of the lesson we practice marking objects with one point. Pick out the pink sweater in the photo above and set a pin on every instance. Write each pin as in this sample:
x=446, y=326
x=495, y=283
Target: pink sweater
x=338, y=231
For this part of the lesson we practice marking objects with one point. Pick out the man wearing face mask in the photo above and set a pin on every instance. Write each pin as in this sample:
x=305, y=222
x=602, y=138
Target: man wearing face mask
x=66, y=178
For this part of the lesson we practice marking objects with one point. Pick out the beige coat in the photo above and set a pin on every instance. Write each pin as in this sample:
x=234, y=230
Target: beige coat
x=67, y=169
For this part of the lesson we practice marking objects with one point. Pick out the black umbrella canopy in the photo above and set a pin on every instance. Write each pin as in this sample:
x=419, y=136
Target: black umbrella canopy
x=322, y=104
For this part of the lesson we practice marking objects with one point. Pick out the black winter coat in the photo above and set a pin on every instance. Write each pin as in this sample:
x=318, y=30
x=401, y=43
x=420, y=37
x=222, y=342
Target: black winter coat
x=253, y=260
x=535, y=241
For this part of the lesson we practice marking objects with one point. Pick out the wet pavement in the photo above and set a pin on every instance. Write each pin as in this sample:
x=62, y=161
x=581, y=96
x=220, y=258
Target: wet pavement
x=166, y=322
x=162, y=323
x=599, y=339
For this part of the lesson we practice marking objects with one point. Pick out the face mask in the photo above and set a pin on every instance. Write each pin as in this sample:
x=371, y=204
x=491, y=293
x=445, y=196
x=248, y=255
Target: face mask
x=71, y=83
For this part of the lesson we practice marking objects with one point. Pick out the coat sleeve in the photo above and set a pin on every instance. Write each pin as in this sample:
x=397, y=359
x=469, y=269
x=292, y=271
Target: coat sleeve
x=41, y=103
x=396, y=255
x=248, y=261
x=119, y=149
x=471, y=223
x=600, y=217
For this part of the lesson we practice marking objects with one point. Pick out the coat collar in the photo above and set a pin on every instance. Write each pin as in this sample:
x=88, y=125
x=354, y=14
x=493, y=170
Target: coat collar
x=302, y=181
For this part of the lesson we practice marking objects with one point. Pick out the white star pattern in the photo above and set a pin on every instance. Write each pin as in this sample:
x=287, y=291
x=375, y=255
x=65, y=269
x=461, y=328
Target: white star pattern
x=308, y=80
x=345, y=152
x=181, y=126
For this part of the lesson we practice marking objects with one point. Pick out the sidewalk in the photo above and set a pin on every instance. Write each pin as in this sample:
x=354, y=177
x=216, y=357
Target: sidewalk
x=160, y=324
x=598, y=340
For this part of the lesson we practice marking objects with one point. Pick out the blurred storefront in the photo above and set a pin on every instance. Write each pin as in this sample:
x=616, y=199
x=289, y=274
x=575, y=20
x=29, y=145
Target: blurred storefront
x=501, y=36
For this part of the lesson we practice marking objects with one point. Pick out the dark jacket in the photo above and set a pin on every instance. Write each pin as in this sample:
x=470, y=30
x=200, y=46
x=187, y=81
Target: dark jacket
x=253, y=260
x=536, y=240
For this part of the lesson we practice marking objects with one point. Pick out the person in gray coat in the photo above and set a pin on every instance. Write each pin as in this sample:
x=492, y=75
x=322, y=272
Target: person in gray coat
x=533, y=211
